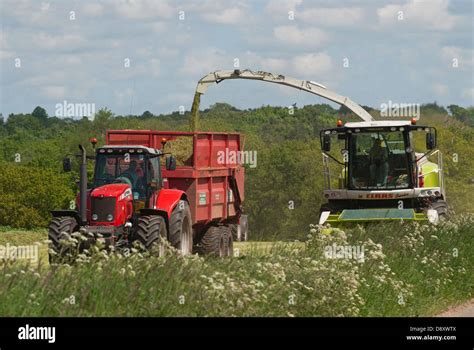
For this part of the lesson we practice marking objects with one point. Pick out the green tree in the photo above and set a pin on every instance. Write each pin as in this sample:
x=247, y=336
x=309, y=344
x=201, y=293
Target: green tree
x=40, y=113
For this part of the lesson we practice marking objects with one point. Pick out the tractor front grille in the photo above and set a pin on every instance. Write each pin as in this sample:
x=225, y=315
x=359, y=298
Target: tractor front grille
x=102, y=206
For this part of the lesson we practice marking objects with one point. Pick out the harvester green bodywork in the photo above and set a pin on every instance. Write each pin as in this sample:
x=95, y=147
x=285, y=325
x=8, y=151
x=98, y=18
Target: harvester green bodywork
x=367, y=215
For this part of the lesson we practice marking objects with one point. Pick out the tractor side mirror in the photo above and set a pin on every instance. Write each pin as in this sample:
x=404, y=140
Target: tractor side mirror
x=170, y=163
x=326, y=143
x=67, y=167
x=430, y=141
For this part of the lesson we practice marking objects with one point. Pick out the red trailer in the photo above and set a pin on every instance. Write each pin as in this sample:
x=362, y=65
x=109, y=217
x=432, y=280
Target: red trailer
x=185, y=187
x=213, y=185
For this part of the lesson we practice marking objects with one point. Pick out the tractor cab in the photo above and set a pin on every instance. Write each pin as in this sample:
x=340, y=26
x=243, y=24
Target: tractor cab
x=375, y=165
x=138, y=167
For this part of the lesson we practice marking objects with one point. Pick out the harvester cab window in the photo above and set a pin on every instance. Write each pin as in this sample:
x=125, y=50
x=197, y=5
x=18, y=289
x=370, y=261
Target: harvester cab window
x=379, y=160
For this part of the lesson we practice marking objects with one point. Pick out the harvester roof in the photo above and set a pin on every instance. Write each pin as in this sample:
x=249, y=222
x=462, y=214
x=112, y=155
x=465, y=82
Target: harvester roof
x=380, y=123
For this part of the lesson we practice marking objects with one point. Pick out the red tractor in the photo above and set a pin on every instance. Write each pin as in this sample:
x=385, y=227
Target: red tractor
x=196, y=206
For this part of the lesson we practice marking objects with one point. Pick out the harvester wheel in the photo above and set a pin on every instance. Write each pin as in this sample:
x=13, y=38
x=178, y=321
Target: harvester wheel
x=217, y=241
x=149, y=230
x=441, y=207
x=59, y=228
x=181, y=229
x=331, y=207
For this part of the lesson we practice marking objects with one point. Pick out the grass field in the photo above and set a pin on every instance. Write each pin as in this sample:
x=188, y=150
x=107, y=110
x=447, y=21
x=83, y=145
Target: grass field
x=379, y=270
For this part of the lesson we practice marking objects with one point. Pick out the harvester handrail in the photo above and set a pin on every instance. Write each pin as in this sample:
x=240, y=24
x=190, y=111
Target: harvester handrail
x=306, y=85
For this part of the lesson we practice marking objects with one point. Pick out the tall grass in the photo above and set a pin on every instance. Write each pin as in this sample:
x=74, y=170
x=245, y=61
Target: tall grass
x=407, y=269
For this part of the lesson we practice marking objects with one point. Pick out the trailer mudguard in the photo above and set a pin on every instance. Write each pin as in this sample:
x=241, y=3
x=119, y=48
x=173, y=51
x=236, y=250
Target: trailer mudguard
x=168, y=199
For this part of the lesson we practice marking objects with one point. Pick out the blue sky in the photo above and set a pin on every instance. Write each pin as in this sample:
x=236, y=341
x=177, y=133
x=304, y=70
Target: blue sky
x=410, y=51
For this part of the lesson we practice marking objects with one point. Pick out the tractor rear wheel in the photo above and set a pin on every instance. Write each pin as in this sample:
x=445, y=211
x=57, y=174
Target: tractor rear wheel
x=59, y=229
x=217, y=241
x=149, y=230
x=181, y=228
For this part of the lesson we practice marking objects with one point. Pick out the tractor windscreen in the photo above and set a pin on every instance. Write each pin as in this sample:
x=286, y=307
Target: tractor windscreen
x=133, y=169
x=378, y=160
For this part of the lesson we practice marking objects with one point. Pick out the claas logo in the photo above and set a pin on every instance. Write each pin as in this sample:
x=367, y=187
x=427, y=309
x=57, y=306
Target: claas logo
x=380, y=195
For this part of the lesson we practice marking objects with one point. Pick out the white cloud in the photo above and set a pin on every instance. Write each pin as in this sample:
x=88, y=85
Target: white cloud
x=440, y=90
x=205, y=61
x=463, y=57
x=254, y=61
x=92, y=9
x=334, y=16
x=123, y=97
x=28, y=12
x=305, y=66
x=5, y=53
x=280, y=8
x=292, y=35
x=312, y=66
x=429, y=15
x=43, y=40
x=468, y=93
x=155, y=66
x=232, y=15
x=55, y=92
x=144, y=9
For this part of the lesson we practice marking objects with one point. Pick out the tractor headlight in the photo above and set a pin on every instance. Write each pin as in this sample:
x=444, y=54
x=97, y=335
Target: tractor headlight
x=110, y=217
x=95, y=217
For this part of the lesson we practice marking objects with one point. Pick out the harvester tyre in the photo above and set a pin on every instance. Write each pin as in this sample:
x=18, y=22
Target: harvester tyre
x=59, y=228
x=217, y=241
x=149, y=230
x=331, y=207
x=441, y=207
x=181, y=229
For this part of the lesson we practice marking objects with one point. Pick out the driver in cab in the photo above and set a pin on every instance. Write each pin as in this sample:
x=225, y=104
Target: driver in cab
x=131, y=173
x=378, y=163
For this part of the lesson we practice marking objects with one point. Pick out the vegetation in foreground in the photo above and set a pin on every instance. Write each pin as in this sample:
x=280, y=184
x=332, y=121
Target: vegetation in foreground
x=407, y=270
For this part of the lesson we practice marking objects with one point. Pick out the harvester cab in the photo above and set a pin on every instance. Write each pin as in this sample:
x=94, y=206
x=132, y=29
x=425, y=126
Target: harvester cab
x=378, y=175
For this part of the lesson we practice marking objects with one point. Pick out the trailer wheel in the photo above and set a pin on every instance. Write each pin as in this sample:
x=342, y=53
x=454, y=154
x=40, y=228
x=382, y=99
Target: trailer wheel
x=149, y=230
x=181, y=229
x=58, y=229
x=217, y=241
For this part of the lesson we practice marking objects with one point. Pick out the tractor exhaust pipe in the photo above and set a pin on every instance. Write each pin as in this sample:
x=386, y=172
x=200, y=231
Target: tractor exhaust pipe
x=83, y=186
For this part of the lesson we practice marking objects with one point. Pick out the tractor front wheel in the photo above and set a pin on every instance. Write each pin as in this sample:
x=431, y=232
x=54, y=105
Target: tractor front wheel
x=60, y=229
x=150, y=229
